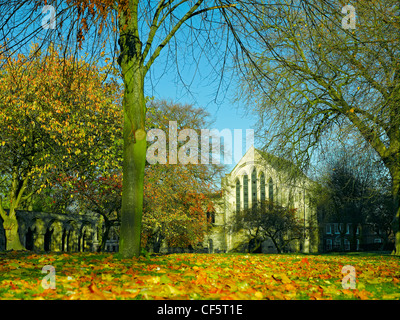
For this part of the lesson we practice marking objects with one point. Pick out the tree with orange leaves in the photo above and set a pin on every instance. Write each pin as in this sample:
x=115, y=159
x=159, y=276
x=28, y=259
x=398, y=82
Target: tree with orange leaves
x=176, y=197
x=55, y=118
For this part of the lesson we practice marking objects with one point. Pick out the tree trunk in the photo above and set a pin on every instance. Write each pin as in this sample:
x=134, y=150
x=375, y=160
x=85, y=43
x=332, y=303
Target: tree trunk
x=254, y=246
x=353, y=242
x=342, y=246
x=396, y=207
x=394, y=168
x=104, y=237
x=276, y=244
x=10, y=222
x=10, y=225
x=134, y=134
x=157, y=245
x=134, y=154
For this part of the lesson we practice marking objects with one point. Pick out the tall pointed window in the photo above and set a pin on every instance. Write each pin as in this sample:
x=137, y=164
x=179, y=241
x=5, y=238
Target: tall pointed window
x=290, y=200
x=262, y=187
x=254, y=188
x=245, y=192
x=271, y=190
x=237, y=195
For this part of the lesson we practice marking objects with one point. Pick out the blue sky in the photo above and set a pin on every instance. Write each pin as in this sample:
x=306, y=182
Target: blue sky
x=226, y=113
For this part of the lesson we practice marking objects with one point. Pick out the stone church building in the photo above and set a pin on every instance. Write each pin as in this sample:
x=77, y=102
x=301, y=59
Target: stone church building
x=259, y=176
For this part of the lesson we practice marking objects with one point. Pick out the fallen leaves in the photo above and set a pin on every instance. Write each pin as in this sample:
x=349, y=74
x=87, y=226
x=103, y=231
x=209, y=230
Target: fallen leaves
x=96, y=293
x=282, y=278
x=91, y=276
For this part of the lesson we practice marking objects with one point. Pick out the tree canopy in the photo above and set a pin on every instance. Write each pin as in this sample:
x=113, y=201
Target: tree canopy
x=55, y=119
x=311, y=81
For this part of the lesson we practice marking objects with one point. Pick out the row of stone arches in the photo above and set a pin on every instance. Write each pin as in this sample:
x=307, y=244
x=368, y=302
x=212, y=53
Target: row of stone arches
x=43, y=231
x=57, y=236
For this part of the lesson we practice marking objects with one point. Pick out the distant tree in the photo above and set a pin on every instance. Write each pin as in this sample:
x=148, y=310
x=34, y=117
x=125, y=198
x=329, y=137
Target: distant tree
x=379, y=219
x=352, y=192
x=270, y=220
x=177, y=196
x=100, y=195
x=175, y=206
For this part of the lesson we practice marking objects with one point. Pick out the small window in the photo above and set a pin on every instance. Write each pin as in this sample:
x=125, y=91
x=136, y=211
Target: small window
x=328, y=244
x=328, y=229
x=271, y=190
x=210, y=216
x=336, y=228
x=346, y=245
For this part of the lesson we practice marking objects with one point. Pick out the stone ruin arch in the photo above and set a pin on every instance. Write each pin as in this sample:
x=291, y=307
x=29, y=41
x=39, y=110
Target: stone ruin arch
x=42, y=231
x=85, y=240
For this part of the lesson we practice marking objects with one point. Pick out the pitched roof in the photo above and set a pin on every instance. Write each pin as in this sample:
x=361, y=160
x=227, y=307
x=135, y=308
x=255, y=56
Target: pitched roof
x=277, y=163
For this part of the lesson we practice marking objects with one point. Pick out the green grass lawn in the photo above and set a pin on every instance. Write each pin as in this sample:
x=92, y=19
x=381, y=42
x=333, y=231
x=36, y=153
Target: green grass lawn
x=199, y=276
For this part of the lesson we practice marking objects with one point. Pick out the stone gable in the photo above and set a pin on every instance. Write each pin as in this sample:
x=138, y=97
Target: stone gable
x=259, y=176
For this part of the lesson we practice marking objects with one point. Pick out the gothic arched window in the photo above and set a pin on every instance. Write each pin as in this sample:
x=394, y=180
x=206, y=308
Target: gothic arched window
x=262, y=187
x=291, y=204
x=245, y=192
x=254, y=188
x=237, y=195
x=271, y=190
